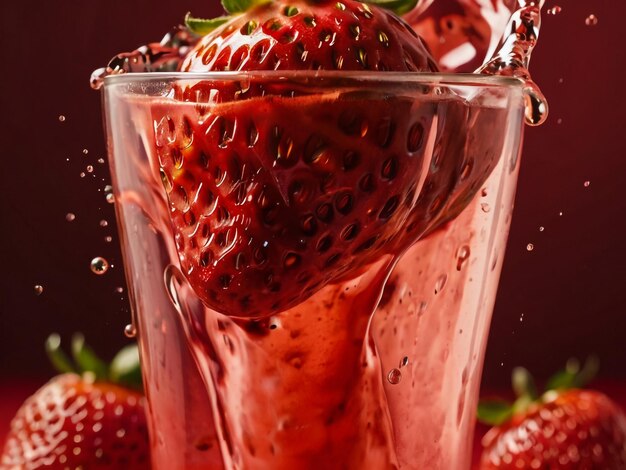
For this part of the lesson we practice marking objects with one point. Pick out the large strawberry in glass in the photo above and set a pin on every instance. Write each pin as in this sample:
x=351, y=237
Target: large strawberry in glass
x=279, y=187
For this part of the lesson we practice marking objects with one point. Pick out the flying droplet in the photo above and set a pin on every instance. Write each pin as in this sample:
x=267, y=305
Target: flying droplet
x=560, y=214
x=108, y=190
x=591, y=20
x=119, y=290
x=559, y=121
x=70, y=217
x=85, y=151
x=100, y=160
x=99, y=265
x=103, y=223
x=130, y=331
x=536, y=105
x=586, y=184
x=38, y=289
x=521, y=318
x=554, y=10
x=394, y=376
x=542, y=228
x=89, y=168
x=61, y=118
x=530, y=247
x=82, y=174
x=108, y=239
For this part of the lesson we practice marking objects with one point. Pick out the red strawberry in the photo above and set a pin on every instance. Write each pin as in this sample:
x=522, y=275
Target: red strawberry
x=79, y=421
x=278, y=188
x=565, y=429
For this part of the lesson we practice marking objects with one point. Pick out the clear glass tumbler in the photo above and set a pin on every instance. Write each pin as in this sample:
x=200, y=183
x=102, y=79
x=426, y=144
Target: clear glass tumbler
x=375, y=367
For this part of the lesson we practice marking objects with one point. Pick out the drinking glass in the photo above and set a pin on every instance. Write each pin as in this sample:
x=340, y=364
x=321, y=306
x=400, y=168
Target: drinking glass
x=378, y=368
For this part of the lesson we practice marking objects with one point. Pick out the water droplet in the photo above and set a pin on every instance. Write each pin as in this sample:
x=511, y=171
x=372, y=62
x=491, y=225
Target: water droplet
x=61, y=118
x=530, y=247
x=394, y=376
x=559, y=121
x=130, y=331
x=85, y=151
x=483, y=193
x=103, y=223
x=99, y=265
x=110, y=198
x=441, y=283
x=485, y=207
x=82, y=174
x=560, y=214
x=462, y=256
x=404, y=361
x=536, y=105
x=586, y=184
x=119, y=290
x=561, y=80
x=89, y=168
x=521, y=318
x=542, y=228
x=108, y=239
x=100, y=160
x=591, y=20
x=70, y=217
x=38, y=289
x=554, y=10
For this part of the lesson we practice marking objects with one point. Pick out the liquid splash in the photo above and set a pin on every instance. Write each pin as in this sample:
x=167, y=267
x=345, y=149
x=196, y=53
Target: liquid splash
x=513, y=57
x=164, y=56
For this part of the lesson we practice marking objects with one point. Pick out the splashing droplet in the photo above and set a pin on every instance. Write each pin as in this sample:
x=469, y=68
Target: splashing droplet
x=38, y=289
x=70, y=217
x=85, y=151
x=530, y=247
x=587, y=183
x=100, y=160
x=89, y=168
x=591, y=20
x=108, y=191
x=119, y=290
x=536, y=105
x=554, y=10
x=108, y=239
x=394, y=376
x=521, y=318
x=103, y=223
x=61, y=118
x=559, y=121
x=99, y=265
x=542, y=228
x=130, y=331
x=560, y=214
x=82, y=174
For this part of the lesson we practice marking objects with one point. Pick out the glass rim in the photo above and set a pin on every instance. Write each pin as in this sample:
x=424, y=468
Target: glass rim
x=425, y=78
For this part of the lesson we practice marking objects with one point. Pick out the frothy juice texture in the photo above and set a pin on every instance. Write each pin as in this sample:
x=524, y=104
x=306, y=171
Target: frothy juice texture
x=313, y=258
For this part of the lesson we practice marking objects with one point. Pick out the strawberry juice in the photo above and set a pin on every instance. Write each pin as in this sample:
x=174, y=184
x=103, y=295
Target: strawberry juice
x=377, y=368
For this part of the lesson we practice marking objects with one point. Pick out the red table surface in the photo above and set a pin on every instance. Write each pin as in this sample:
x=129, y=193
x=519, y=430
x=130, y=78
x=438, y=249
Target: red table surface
x=13, y=393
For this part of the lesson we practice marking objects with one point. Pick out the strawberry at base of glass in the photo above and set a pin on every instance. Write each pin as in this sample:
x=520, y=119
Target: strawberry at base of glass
x=379, y=369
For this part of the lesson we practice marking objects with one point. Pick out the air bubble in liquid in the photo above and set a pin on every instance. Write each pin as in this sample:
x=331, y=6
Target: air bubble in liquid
x=394, y=376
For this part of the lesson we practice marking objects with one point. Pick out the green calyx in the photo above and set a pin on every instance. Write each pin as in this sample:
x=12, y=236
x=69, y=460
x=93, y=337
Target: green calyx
x=497, y=412
x=202, y=26
x=123, y=370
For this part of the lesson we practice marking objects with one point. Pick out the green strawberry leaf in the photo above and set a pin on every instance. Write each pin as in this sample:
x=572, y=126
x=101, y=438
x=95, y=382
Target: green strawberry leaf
x=588, y=372
x=201, y=26
x=125, y=367
x=57, y=357
x=399, y=7
x=87, y=360
x=494, y=412
x=524, y=384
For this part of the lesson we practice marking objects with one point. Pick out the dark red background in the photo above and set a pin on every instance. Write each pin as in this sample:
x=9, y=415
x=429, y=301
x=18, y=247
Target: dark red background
x=570, y=291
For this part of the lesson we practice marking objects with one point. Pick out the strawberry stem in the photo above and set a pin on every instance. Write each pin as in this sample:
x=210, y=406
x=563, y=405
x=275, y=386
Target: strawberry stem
x=87, y=360
x=57, y=357
x=201, y=26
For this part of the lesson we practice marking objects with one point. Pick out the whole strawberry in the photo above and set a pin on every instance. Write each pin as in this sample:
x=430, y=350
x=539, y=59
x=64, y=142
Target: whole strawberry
x=279, y=187
x=82, y=421
x=565, y=429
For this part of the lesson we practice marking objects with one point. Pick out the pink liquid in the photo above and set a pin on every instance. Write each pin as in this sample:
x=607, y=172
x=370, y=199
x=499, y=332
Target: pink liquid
x=379, y=370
